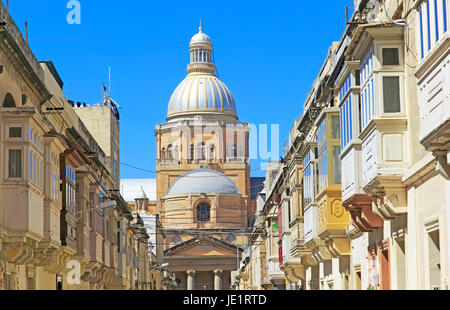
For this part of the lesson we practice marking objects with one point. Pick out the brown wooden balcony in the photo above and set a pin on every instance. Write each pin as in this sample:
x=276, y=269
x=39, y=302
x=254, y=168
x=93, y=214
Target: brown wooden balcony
x=363, y=218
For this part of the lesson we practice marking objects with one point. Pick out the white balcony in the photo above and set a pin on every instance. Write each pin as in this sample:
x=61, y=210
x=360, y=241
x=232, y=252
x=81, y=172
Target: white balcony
x=434, y=98
x=274, y=272
x=433, y=78
x=311, y=223
x=384, y=162
x=351, y=173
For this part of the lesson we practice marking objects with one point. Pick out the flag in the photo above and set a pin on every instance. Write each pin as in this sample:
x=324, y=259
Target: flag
x=115, y=103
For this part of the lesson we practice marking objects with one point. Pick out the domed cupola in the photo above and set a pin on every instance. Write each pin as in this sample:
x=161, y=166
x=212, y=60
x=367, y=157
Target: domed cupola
x=201, y=93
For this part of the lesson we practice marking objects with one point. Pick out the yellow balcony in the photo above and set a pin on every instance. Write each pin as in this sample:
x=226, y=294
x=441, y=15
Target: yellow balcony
x=333, y=220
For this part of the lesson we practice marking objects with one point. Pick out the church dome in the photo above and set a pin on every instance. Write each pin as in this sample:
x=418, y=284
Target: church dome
x=201, y=93
x=203, y=181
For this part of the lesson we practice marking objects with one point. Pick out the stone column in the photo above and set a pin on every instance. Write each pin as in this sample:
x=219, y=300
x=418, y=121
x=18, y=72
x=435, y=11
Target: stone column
x=190, y=280
x=217, y=279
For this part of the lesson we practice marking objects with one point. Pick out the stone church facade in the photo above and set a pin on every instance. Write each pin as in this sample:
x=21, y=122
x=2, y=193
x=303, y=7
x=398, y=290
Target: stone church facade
x=203, y=177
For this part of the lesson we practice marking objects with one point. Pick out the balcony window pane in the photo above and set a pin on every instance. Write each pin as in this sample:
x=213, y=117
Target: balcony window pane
x=308, y=193
x=436, y=20
x=390, y=57
x=391, y=94
x=421, y=33
x=444, y=7
x=15, y=163
x=335, y=127
x=337, y=165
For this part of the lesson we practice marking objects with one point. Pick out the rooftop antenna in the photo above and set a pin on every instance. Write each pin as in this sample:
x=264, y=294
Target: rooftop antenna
x=200, y=28
x=7, y=5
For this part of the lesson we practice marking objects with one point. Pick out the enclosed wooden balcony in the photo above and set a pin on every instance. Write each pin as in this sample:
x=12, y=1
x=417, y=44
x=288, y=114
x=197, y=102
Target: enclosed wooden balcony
x=434, y=103
x=331, y=215
x=383, y=115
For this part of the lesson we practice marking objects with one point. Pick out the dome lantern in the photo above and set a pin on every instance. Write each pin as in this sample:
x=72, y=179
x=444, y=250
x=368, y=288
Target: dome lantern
x=201, y=50
x=141, y=194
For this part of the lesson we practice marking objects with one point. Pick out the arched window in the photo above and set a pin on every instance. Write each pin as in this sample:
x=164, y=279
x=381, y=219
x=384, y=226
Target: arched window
x=211, y=152
x=170, y=152
x=9, y=101
x=201, y=151
x=203, y=212
x=163, y=153
x=191, y=152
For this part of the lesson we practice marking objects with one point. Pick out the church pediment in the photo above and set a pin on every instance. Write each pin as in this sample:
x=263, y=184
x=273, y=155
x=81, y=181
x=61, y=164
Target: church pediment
x=202, y=246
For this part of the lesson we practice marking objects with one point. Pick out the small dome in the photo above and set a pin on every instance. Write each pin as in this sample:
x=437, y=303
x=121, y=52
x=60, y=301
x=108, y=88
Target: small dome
x=200, y=37
x=141, y=194
x=203, y=181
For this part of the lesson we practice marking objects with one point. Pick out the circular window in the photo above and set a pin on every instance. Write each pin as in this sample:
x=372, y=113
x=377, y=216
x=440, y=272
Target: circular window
x=231, y=238
x=203, y=212
x=176, y=239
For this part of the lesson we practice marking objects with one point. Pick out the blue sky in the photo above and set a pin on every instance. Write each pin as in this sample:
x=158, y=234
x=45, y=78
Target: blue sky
x=267, y=52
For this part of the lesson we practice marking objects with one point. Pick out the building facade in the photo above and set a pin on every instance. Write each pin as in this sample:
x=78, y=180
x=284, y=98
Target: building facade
x=362, y=192
x=203, y=177
x=63, y=223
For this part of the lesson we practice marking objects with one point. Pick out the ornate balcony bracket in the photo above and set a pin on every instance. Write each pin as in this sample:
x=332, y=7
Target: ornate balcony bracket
x=320, y=253
x=294, y=270
x=389, y=196
x=19, y=246
x=107, y=275
x=337, y=243
x=267, y=285
x=443, y=165
x=50, y=255
x=360, y=208
x=93, y=272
